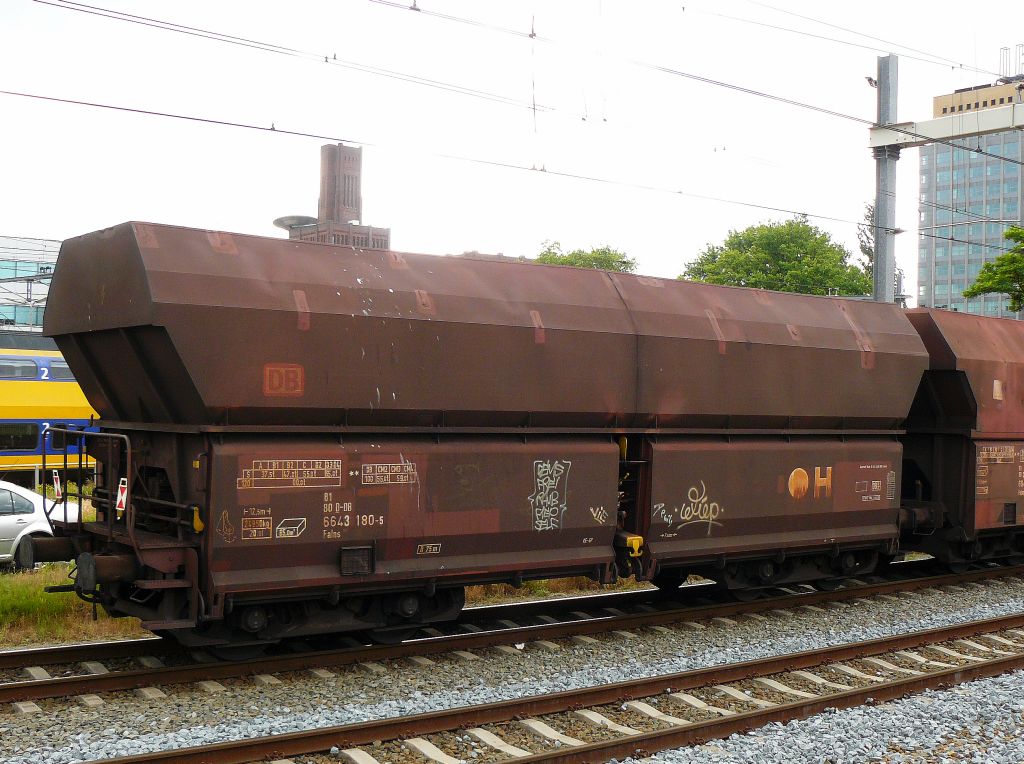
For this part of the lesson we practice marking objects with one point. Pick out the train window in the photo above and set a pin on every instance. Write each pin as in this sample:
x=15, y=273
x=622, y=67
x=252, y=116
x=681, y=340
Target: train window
x=6, y=503
x=60, y=371
x=19, y=437
x=59, y=440
x=17, y=368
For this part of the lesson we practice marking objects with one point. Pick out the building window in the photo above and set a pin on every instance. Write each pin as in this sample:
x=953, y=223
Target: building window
x=944, y=109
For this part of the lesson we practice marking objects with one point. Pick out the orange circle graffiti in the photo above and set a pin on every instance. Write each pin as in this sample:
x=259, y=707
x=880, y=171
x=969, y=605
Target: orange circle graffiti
x=798, y=483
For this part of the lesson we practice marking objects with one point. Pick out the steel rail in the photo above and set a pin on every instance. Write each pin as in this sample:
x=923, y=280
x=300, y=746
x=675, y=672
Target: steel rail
x=87, y=651
x=701, y=732
x=126, y=680
x=600, y=600
x=16, y=658
x=351, y=735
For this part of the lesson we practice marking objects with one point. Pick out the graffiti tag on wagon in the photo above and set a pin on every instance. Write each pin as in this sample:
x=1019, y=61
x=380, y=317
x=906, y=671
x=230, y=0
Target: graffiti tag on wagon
x=548, y=500
x=698, y=509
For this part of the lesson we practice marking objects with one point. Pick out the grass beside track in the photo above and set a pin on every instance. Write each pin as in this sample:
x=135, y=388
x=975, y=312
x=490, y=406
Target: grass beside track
x=31, y=616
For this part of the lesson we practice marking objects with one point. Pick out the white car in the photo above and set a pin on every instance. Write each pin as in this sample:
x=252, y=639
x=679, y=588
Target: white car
x=22, y=514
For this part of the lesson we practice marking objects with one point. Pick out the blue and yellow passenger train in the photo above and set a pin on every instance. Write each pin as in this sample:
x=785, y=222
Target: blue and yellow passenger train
x=37, y=390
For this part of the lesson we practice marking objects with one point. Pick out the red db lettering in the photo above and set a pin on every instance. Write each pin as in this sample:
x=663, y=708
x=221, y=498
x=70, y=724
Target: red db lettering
x=283, y=380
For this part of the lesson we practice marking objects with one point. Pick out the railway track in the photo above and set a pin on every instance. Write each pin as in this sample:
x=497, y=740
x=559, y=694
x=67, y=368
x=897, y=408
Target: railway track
x=37, y=683
x=692, y=594
x=86, y=651
x=643, y=716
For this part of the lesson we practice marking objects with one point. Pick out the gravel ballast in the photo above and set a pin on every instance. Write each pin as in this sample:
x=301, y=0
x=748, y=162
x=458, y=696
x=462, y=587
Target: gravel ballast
x=975, y=722
x=126, y=724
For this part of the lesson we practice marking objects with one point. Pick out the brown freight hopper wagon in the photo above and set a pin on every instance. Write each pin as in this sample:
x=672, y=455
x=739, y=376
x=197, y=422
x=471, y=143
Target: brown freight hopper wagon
x=964, y=447
x=301, y=438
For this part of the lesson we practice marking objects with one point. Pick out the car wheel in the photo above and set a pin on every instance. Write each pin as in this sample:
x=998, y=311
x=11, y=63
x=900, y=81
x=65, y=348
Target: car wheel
x=16, y=564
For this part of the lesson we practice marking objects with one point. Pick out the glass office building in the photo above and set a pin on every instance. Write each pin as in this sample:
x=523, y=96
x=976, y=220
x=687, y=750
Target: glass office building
x=25, y=265
x=969, y=195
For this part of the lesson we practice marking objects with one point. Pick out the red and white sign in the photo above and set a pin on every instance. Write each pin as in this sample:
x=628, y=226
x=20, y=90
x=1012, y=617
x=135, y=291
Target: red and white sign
x=122, y=497
x=57, y=493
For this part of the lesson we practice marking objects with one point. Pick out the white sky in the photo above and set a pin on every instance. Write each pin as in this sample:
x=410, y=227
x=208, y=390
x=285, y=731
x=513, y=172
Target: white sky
x=67, y=170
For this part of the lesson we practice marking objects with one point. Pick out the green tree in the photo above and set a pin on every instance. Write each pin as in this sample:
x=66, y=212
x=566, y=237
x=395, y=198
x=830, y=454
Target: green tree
x=866, y=239
x=1005, y=274
x=866, y=244
x=793, y=256
x=601, y=258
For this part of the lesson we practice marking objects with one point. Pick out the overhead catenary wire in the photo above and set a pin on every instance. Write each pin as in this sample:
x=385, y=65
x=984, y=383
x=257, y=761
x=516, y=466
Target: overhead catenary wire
x=848, y=43
x=705, y=80
x=219, y=37
x=273, y=129
x=269, y=47
x=932, y=58
x=939, y=237
x=949, y=61
x=977, y=216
